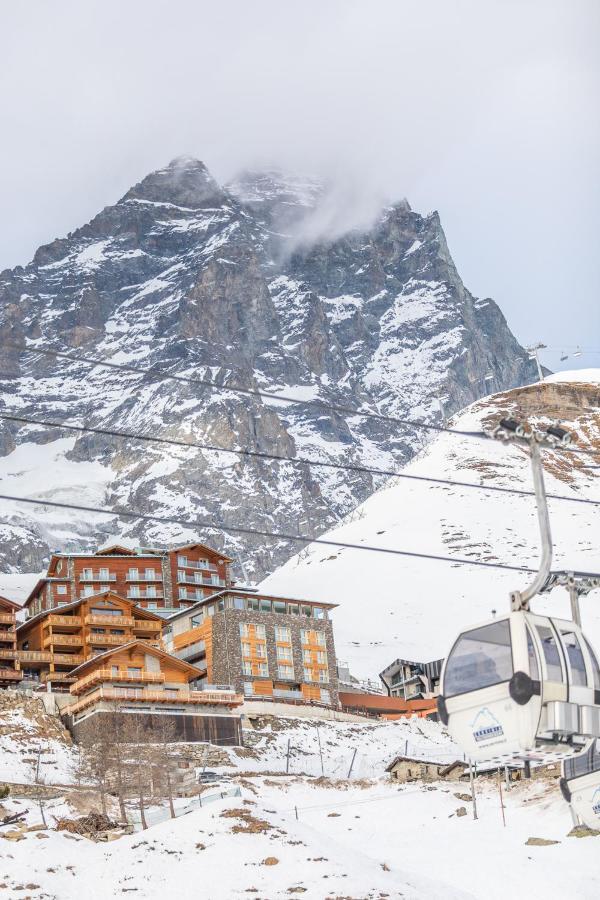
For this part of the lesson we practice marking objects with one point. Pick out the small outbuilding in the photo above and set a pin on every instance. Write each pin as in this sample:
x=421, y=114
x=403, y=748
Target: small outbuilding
x=409, y=768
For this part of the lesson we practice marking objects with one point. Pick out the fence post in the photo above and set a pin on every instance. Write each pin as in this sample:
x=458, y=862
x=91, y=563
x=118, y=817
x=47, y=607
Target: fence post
x=287, y=761
x=471, y=779
x=320, y=751
x=352, y=763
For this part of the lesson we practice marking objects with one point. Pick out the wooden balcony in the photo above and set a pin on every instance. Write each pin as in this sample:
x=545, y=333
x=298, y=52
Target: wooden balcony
x=7, y=634
x=55, y=619
x=95, y=619
x=68, y=659
x=156, y=596
x=96, y=576
x=5, y=653
x=142, y=695
x=63, y=640
x=7, y=618
x=101, y=675
x=156, y=576
x=147, y=625
x=10, y=675
x=29, y=656
x=111, y=640
x=62, y=677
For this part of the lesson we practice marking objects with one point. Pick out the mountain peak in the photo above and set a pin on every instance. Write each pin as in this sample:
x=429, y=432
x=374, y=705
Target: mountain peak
x=185, y=181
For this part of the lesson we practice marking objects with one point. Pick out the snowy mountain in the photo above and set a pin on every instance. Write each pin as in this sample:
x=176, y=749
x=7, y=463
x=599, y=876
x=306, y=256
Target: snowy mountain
x=392, y=606
x=236, y=285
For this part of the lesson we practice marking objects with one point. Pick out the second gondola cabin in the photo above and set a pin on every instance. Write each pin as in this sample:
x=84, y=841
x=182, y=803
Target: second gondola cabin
x=580, y=785
x=521, y=687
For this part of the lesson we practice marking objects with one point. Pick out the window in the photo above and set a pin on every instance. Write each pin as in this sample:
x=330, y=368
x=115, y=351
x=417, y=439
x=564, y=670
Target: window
x=88, y=591
x=114, y=670
x=278, y=606
x=551, y=653
x=134, y=590
x=307, y=656
x=150, y=575
x=210, y=609
x=307, y=611
x=181, y=561
x=97, y=630
x=323, y=674
x=133, y=574
x=221, y=604
x=259, y=631
x=197, y=620
x=321, y=656
x=246, y=648
x=215, y=579
x=595, y=667
x=104, y=575
x=284, y=653
x=238, y=602
x=265, y=605
x=182, y=593
x=244, y=629
x=282, y=633
x=533, y=663
x=263, y=669
x=261, y=651
x=87, y=573
x=197, y=578
x=105, y=611
x=284, y=671
x=319, y=613
x=305, y=636
x=152, y=605
x=134, y=671
x=293, y=609
x=104, y=587
x=247, y=668
x=320, y=638
x=308, y=674
x=479, y=658
x=61, y=589
x=253, y=604
x=117, y=631
x=575, y=655
x=151, y=590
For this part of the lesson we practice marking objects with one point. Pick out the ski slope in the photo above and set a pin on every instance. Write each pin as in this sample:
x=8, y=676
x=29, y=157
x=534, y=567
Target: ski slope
x=394, y=606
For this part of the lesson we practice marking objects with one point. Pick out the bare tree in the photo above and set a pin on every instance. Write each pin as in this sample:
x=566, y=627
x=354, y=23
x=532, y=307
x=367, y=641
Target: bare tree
x=136, y=735
x=163, y=736
x=95, y=762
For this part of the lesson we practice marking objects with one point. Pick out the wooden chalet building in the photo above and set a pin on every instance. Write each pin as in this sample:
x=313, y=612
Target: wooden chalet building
x=10, y=673
x=157, y=579
x=54, y=642
x=139, y=678
x=268, y=648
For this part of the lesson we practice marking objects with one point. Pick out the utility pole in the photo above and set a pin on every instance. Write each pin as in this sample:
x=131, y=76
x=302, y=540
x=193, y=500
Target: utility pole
x=351, y=764
x=534, y=354
x=472, y=783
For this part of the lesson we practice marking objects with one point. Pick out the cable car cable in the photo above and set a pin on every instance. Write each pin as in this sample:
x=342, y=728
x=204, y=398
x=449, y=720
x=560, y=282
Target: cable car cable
x=279, y=398
x=298, y=460
x=305, y=539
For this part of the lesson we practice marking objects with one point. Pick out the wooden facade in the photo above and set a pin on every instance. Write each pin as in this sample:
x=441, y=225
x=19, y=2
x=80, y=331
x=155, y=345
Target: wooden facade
x=10, y=673
x=144, y=677
x=271, y=648
x=156, y=579
x=52, y=644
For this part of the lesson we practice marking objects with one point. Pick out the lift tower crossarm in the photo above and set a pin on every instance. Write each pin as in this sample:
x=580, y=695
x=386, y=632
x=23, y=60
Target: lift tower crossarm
x=577, y=584
x=510, y=430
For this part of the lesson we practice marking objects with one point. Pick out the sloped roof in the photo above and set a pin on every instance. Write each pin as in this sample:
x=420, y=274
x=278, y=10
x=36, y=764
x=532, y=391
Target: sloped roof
x=445, y=768
x=58, y=610
x=4, y=601
x=191, y=670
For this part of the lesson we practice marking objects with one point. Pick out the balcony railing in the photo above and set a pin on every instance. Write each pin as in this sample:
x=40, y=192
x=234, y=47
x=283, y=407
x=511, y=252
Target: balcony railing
x=10, y=675
x=8, y=654
x=7, y=634
x=142, y=695
x=97, y=619
x=63, y=640
x=96, y=576
x=101, y=675
x=68, y=659
x=191, y=650
x=196, y=564
x=156, y=576
x=7, y=618
x=206, y=582
x=112, y=639
x=63, y=677
x=63, y=621
x=34, y=656
x=287, y=695
x=147, y=625
x=144, y=596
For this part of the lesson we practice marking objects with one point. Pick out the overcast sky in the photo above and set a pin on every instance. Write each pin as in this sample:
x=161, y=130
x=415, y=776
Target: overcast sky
x=484, y=110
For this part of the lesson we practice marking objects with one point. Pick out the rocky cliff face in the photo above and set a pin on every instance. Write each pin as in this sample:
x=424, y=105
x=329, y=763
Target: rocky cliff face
x=185, y=276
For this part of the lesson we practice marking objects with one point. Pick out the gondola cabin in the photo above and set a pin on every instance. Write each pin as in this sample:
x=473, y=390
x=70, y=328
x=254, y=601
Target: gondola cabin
x=580, y=785
x=521, y=687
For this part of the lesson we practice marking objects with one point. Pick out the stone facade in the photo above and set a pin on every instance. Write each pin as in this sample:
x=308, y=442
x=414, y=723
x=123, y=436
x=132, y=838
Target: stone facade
x=227, y=649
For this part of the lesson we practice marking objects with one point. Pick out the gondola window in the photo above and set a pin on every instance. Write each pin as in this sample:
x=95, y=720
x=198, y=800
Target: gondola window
x=576, y=659
x=479, y=658
x=595, y=666
x=551, y=653
x=533, y=663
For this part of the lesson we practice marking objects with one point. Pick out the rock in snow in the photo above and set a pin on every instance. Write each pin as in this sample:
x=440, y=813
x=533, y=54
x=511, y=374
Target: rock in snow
x=233, y=285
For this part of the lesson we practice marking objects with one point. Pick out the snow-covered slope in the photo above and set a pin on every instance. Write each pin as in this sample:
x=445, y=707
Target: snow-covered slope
x=226, y=284
x=392, y=606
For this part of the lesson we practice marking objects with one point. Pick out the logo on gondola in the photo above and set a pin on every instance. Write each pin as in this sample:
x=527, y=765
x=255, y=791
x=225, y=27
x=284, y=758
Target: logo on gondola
x=485, y=726
x=596, y=802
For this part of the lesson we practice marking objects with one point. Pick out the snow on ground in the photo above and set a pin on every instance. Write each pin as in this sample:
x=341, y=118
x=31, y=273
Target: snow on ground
x=28, y=734
x=588, y=376
x=393, y=606
x=352, y=750
x=296, y=837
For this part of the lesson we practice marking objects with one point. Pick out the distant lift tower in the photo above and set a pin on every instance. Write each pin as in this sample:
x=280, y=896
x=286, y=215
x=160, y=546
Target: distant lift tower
x=534, y=354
